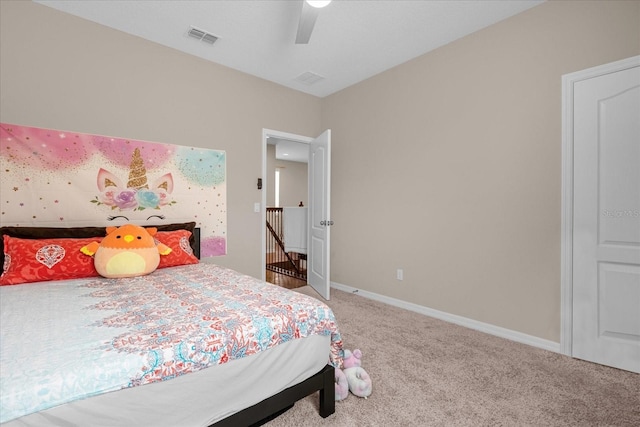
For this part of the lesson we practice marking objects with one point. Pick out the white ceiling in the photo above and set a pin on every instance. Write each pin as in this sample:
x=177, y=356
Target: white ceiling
x=292, y=151
x=351, y=41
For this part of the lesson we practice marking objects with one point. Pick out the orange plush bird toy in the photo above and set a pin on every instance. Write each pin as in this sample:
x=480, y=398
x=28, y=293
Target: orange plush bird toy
x=126, y=251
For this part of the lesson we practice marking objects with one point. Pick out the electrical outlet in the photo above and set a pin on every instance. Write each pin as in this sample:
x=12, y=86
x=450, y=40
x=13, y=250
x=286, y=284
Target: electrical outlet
x=400, y=274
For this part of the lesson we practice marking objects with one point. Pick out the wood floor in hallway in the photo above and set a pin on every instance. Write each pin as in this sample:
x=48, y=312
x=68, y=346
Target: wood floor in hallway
x=284, y=281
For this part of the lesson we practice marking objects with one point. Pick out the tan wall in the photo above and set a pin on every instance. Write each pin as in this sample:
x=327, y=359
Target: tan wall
x=59, y=71
x=449, y=166
x=294, y=182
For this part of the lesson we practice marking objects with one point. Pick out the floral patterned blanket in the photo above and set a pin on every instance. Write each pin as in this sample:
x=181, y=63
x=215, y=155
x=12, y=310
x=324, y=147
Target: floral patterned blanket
x=63, y=341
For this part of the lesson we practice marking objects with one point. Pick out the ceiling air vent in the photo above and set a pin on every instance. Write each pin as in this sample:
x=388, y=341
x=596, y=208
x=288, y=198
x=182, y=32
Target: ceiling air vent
x=308, y=78
x=202, y=35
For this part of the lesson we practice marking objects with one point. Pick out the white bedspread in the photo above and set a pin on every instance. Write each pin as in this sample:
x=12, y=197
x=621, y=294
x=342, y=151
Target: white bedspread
x=195, y=400
x=63, y=341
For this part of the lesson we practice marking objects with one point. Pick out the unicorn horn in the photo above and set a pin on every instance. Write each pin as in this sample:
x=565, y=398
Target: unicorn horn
x=137, y=172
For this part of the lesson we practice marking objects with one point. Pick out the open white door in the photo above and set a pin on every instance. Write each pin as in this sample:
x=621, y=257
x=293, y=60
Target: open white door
x=606, y=218
x=318, y=249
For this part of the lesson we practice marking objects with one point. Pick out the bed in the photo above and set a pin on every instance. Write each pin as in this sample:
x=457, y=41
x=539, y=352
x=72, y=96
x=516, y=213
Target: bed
x=191, y=344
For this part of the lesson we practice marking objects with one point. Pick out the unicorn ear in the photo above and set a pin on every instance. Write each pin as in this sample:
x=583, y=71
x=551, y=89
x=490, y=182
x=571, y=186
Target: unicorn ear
x=165, y=182
x=107, y=179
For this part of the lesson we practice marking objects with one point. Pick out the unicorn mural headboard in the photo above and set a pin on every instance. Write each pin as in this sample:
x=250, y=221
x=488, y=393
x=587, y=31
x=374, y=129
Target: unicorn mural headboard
x=59, y=178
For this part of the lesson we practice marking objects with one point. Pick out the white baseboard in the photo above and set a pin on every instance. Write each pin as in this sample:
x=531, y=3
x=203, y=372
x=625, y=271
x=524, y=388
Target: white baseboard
x=458, y=320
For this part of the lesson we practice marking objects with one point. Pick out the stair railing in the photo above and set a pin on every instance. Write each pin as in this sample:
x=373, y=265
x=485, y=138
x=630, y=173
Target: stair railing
x=275, y=244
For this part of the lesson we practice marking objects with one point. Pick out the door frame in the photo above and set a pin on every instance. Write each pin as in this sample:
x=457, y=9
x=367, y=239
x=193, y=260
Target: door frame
x=269, y=133
x=566, y=244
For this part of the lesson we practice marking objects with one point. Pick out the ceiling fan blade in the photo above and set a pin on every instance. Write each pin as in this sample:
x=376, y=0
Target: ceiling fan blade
x=308, y=18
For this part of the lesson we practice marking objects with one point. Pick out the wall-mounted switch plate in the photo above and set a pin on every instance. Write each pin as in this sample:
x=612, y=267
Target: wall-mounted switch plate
x=256, y=207
x=400, y=274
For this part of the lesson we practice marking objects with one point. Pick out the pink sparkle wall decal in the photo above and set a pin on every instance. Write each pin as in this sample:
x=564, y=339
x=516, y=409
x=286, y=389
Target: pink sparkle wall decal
x=62, y=178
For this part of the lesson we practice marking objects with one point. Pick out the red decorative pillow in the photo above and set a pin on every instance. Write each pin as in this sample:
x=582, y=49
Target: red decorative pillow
x=181, y=251
x=37, y=260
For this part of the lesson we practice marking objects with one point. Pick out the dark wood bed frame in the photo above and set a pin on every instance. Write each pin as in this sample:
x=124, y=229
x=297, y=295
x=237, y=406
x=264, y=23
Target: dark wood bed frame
x=271, y=407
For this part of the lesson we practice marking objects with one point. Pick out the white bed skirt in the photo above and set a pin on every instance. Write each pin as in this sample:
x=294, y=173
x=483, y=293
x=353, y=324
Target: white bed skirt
x=197, y=399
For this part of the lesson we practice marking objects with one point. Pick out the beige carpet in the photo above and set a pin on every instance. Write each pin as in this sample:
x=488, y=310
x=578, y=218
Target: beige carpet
x=427, y=372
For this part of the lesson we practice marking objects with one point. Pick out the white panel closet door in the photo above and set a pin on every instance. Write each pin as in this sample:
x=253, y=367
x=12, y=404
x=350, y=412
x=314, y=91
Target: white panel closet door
x=606, y=219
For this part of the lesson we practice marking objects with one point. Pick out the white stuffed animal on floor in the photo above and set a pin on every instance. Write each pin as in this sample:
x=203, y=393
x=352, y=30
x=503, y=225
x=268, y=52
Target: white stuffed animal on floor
x=342, y=386
x=358, y=379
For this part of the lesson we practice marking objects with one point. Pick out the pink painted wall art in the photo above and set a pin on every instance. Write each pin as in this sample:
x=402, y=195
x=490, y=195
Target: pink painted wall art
x=59, y=178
